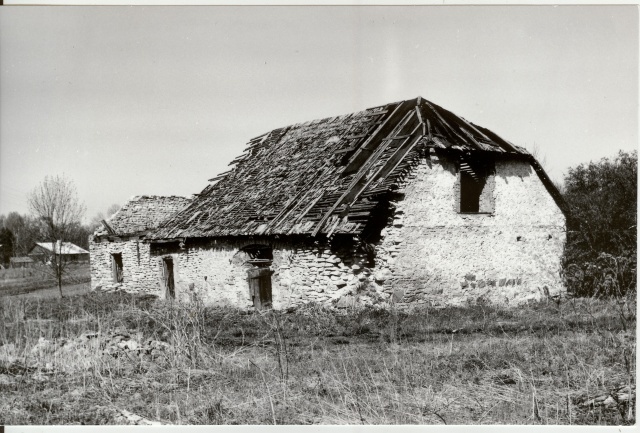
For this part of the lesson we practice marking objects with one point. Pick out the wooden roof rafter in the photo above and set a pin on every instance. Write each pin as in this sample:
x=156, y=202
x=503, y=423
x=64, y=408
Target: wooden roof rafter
x=326, y=176
x=361, y=181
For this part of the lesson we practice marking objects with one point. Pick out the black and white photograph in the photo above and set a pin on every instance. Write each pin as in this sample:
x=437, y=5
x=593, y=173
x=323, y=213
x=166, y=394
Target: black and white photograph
x=314, y=214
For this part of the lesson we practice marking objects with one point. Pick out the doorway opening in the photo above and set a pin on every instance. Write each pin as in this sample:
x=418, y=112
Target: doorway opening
x=169, y=282
x=259, y=259
x=116, y=268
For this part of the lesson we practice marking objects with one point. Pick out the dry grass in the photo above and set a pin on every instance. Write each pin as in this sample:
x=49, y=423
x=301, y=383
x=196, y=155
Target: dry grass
x=473, y=365
x=25, y=280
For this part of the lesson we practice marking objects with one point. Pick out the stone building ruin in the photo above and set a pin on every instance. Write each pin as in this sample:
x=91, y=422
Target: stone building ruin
x=405, y=203
x=120, y=258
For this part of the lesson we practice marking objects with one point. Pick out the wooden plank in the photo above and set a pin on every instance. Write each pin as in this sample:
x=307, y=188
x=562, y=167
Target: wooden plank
x=298, y=198
x=221, y=175
x=355, y=186
x=367, y=148
x=108, y=228
x=238, y=159
x=349, y=149
x=396, y=158
x=378, y=113
x=399, y=137
x=444, y=123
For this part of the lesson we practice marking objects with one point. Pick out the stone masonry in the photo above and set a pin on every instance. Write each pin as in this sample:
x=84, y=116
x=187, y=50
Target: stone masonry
x=140, y=273
x=429, y=252
x=124, y=235
x=216, y=274
x=404, y=203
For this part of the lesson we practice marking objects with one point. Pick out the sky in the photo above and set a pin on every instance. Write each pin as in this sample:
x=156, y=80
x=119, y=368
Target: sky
x=129, y=101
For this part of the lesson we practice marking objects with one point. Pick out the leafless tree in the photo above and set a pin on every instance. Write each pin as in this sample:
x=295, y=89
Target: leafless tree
x=56, y=205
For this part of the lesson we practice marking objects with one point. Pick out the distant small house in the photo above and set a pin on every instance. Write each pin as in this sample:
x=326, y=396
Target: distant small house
x=21, y=262
x=42, y=251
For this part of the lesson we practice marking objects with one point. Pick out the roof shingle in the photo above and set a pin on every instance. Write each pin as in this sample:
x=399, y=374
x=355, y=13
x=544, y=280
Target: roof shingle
x=142, y=213
x=323, y=176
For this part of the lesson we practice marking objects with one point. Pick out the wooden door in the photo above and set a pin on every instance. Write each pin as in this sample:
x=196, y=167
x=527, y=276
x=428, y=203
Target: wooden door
x=260, y=287
x=116, y=267
x=169, y=283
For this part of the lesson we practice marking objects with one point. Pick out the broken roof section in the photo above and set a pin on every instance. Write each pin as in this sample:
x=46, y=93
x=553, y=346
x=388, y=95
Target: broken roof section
x=325, y=176
x=140, y=214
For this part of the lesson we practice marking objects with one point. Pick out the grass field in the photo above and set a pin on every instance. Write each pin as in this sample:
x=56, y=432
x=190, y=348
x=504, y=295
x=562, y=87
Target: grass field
x=116, y=358
x=38, y=278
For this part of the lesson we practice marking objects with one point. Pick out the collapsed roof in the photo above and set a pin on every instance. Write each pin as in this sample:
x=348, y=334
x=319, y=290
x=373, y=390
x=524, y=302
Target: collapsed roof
x=327, y=176
x=141, y=214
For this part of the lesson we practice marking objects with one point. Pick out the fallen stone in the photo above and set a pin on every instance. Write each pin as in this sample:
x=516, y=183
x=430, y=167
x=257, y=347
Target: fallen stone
x=132, y=418
x=6, y=379
x=397, y=295
x=128, y=345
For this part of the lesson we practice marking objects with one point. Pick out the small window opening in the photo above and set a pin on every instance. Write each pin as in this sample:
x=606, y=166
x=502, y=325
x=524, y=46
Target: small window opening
x=470, y=191
x=476, y=186
x=116, y=266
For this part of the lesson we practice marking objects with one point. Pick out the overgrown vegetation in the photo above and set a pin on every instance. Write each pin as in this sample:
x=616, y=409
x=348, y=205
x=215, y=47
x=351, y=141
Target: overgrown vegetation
x=548, y=363
x=601, y=250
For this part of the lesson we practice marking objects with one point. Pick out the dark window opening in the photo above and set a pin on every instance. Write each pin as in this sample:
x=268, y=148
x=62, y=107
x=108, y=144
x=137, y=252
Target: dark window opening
x=470, y=192
x=116, y=267
x=169, y=282
x=477, y=183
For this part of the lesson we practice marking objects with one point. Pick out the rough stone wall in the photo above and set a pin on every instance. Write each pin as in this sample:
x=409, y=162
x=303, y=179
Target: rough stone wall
x=216, y=274
x=140, y=272
x=429, y=252
x=433, y=254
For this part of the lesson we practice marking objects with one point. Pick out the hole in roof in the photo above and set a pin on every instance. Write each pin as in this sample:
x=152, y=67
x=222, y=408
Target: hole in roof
x=332, y=140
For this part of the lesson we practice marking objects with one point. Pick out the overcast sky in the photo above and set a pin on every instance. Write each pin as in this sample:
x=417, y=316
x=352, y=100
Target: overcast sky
x=156, y=100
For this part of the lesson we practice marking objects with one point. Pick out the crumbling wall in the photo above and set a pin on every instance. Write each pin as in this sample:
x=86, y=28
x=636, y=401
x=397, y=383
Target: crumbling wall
x=139, y=270
x=428, y=253
x=431, y=253
x=215, y=273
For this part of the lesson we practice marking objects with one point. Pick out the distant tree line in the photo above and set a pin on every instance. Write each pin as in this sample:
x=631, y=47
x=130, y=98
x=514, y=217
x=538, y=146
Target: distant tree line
x=601, y=251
